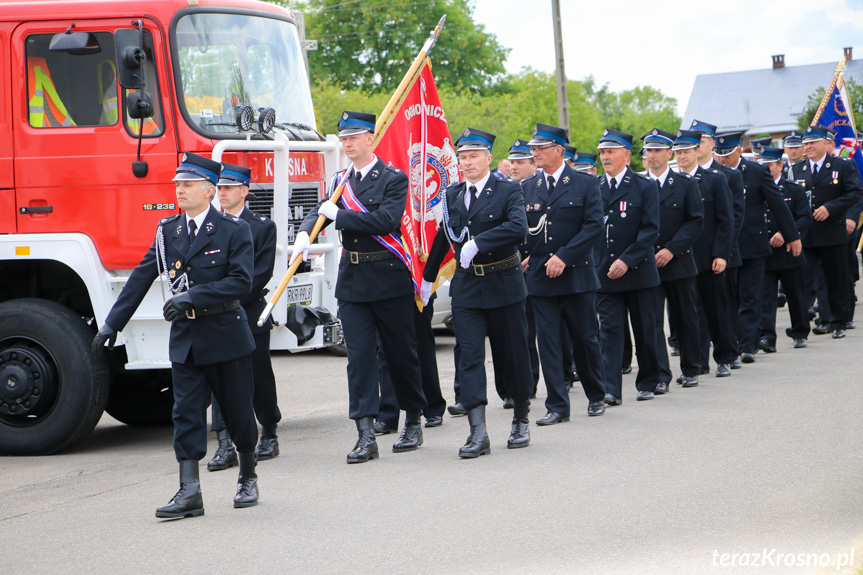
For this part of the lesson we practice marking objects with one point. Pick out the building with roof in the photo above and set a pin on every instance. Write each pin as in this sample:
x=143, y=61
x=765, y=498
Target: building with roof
x=762, y=101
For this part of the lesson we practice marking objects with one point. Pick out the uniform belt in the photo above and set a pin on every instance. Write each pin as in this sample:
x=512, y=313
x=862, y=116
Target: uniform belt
x=213, y=309
x=480, y=270
x=363, y=257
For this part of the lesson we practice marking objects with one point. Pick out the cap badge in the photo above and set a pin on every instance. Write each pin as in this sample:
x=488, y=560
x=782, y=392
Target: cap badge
x=605, y=133
x=721, y=140
x=345, y=116
x=678, y=133
x=184, y=157
x=654, y=132
x=466, y=132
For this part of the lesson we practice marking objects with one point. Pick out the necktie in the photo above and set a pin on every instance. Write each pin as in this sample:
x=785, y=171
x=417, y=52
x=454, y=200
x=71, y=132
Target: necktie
x=550, y=184
x=613, y=186
x=814, y=170
x=359, y=176
x=471, y=197
x=193, y=227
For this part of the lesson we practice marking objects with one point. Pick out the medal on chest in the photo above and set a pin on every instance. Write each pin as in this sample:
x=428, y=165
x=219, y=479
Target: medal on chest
x=622, y=209
x=835, y=177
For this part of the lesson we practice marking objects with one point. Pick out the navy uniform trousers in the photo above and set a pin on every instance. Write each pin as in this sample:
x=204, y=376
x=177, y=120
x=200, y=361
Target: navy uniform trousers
x=265, y=400
x=389, y=407
x=576, y=313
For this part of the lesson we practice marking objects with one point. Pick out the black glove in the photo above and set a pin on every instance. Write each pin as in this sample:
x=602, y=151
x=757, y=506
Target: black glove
x=177, y=306
x=106, y=333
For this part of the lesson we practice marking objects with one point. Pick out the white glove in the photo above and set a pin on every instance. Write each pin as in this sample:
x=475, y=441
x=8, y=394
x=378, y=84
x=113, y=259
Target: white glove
x=468, y=252
x=329, y=209
x=425, y=292
x=301, y=246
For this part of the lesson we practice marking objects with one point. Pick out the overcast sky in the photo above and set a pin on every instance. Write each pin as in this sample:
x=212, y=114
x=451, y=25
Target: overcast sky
x=667, y=43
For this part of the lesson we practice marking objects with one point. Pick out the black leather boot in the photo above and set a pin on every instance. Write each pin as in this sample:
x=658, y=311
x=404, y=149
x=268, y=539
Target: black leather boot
x=366, y=447
x=520, y=435
x=477, y=442
x=268, y=448
x=412, y=434
x=247, y=484
x=188, y=501
x=226, y=455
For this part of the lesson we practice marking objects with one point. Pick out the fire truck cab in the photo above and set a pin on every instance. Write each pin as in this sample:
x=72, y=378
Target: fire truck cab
x=98, y=101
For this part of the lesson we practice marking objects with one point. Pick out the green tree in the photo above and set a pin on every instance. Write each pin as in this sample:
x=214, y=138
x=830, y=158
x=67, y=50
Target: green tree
x=370, y=44
x=855, y=92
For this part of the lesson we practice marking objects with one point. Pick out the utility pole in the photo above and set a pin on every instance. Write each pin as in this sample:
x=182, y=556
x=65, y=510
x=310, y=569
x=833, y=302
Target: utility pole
x=562, y=99
x=306, y=45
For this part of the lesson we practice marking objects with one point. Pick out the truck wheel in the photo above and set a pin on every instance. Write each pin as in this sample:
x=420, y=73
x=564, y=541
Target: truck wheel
x=143, y=397
x=338, y=349
x=52, y=389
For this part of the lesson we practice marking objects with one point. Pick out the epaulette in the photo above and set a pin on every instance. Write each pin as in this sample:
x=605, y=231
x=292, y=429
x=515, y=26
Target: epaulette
x=684, y=174
x=164, y=221
x=228, y=217
x=643, y=176
x=393, y=169
x=256, y=217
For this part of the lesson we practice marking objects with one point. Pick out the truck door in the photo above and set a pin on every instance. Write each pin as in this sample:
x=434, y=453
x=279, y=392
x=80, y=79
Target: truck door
x=7, y=194
x=74, y=143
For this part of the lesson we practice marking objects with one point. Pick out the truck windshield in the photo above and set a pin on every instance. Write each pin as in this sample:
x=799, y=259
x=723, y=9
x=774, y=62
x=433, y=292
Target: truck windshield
x=228, y=62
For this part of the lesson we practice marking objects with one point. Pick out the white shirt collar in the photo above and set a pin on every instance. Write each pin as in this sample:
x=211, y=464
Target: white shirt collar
x=818, y=163
x=661, y=177
x=777, y=179
x=480, y=186
x=708, y=164
x=199, y=219
x=616, y=179
x=365, y=171
x=694, y=170
x=556, y=175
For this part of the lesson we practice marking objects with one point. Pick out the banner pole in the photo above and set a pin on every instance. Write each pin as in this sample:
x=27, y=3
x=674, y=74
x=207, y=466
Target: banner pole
x=384, y=120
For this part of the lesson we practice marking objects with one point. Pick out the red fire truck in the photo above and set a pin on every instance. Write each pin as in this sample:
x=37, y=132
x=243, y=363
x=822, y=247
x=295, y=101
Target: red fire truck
x=98, y=101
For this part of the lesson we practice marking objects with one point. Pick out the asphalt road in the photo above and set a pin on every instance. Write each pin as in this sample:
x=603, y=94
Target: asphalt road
x=766, y=460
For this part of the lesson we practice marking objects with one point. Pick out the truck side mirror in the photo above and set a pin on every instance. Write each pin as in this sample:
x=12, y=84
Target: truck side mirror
x=139, y=105
x=130, y=57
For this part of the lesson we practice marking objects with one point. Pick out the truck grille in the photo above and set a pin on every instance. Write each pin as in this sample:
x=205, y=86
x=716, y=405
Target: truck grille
x=303, y=198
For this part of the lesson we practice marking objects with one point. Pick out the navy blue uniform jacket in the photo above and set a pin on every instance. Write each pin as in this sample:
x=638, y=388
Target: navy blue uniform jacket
x=573, y=224
x=738, y=203
x=384, y=192
x=264, y=238
x=219, y=267
x=837, y=187
x=717, y=234
x=631, y=227
x=795, y=199
x=760, y=188
x=681, y=218
x=497, y=223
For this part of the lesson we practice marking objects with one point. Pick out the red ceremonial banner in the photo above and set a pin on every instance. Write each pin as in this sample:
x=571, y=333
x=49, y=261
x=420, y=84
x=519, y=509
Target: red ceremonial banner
x=417, y=142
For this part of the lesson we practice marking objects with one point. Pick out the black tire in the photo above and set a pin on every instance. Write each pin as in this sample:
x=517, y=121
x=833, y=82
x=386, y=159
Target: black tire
x=338, y=349
x=143, y=398
x=52, y=389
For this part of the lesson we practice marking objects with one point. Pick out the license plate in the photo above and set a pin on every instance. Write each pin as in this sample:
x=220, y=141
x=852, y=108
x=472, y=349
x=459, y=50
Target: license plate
x=299, y=294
